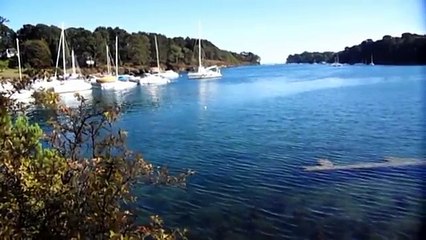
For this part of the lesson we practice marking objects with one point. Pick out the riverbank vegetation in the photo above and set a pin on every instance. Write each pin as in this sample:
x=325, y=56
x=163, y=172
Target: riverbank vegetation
x=40, y=45
x=408, y=49
x=75, y=179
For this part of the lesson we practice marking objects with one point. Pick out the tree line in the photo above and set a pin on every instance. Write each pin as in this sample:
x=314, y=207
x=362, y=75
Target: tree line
x=408, y=49
x=39, y=47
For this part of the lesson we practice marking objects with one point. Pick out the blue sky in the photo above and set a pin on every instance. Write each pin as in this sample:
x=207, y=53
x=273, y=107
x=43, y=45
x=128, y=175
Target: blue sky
x=271, y=28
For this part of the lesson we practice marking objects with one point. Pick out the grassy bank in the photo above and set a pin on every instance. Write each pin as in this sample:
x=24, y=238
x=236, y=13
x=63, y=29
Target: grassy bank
x=9, y=73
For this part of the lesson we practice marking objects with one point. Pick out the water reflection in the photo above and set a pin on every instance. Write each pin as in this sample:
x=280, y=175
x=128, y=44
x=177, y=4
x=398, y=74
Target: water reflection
x=154, y=93
x=70, y=99
x=108, y=98
x=207, y=91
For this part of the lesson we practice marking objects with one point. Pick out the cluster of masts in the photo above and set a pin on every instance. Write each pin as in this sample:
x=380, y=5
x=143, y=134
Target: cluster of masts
x=75, y=82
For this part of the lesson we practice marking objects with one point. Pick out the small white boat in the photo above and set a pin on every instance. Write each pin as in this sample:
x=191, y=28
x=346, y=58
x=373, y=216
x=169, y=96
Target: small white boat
x=202, y=72
x=116, y=85
x=110, y=82
x=24, y=95
x=336, y=62
x=67, y=86
x=170, y=74
x=45, y=84
x=205, y=73
x=62, y=86
x=371, y=61
x=70, y=83
x=152, y=79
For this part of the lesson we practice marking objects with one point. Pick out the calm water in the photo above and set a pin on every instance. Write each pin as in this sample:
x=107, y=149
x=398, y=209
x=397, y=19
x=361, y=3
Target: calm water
x=249, y=134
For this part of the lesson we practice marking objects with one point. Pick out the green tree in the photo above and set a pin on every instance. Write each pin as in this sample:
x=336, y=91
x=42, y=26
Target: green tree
x=188, y=55
x=175, y=54
x=163, y=48
x=101, y=39
x=7, y=35
x=138, y=49
x=36, y=53
x=133, y=47
x=83, y=43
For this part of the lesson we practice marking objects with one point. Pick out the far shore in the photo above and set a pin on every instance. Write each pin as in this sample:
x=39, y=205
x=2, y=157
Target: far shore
x=11, y=73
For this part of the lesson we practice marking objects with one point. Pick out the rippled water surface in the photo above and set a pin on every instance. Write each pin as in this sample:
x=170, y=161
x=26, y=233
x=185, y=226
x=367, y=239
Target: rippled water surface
x=249, y=134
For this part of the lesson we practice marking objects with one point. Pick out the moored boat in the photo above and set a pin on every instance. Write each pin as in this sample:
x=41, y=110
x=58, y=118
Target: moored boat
x=202, y=72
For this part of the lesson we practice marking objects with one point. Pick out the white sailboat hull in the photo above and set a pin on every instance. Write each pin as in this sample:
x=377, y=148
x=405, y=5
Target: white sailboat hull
x=336, y=64
x=205, y=73
x=23, y=95
x=151, y=79
x=197, y=75
x=71, y=86
x=116, y=85
x=170, y=74
x=44, y=84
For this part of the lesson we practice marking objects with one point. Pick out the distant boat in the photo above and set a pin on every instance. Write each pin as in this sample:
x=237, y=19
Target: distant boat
x=23, y=95
x=170, y=74
x=371, y=62
x=336, y=62
x=71, y=82
x=157, y=76
x=111, y=82
x=203, y=72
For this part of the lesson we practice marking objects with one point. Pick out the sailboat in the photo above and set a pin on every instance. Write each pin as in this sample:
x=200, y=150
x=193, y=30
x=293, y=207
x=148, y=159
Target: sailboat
x=203, y=72
x=336, y=62
x=24, y=95
x=70, y=83
x=109, y=81
x=371, y=61
x=108, y=77
x=156, y=78
x=170, y=74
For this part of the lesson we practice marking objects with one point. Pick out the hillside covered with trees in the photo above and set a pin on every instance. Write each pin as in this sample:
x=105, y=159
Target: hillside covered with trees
x=39, y=46
x=409, y=49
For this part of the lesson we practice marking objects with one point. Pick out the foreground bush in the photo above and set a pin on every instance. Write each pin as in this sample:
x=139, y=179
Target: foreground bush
x=77, y=184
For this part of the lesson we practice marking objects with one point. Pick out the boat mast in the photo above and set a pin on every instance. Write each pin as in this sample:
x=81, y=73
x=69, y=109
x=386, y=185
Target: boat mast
x=108, y=60
x=73, y=62
x=63, y=51
x=58, y=56
x=19, y=59
x=199, y=45
x=156, y=50
x=116, y=56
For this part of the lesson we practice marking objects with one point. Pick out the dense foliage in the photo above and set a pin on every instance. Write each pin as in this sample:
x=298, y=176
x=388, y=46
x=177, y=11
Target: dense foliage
x=74, y=181
x=136, y=49
x=409, y=49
